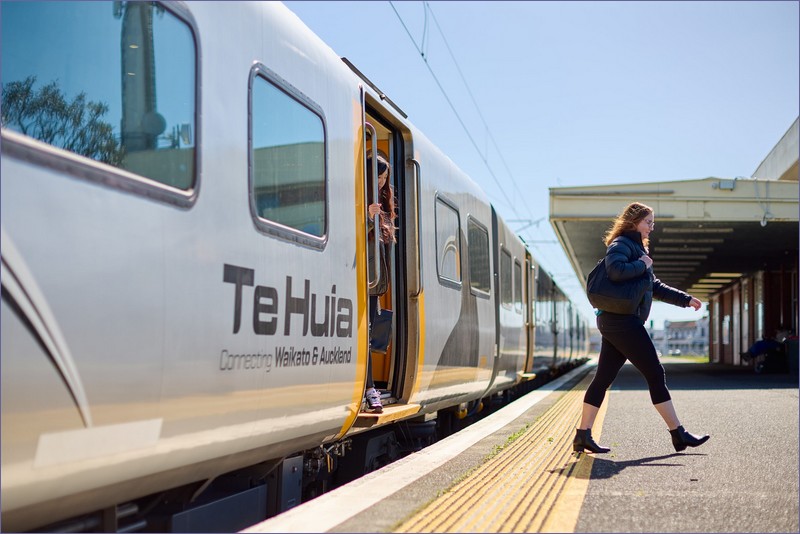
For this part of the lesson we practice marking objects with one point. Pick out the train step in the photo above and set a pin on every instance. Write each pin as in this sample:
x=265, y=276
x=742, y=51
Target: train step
x=391, y=412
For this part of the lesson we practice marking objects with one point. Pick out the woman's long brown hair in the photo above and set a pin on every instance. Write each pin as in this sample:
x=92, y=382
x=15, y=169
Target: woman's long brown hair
x=627, y=221
x=385, y=198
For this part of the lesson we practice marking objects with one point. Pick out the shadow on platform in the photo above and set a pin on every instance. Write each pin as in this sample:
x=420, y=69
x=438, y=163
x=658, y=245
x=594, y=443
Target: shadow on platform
x=606, y=468
x=708, y=376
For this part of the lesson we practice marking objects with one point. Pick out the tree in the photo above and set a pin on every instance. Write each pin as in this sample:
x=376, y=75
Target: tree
x=46, y=115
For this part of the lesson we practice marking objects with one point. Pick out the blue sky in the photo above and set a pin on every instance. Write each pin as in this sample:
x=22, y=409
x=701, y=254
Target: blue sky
x=557, y=94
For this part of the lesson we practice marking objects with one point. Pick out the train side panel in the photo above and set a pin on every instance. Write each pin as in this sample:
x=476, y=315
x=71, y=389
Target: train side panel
x=457, y=356
x=184, y=278
x=546, y=321
x=511, y=308
x=161, y=332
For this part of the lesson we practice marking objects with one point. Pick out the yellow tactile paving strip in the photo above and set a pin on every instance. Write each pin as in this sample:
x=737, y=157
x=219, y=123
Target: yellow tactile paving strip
x=520, y=489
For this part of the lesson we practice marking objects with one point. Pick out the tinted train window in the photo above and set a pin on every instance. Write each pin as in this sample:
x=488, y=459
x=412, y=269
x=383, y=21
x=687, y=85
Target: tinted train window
x=480, y=277
x=517, y=286
x=287, y=159
x=448, y=247
x=111, y=81
x=506, y=289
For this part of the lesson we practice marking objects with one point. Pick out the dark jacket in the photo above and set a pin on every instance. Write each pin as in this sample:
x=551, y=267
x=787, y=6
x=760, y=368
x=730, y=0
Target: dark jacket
x=623, y=263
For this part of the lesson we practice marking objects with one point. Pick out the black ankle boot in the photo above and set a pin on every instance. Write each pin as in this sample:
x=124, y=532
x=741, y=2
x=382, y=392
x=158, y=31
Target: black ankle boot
x=583, y=440
x=682, y=439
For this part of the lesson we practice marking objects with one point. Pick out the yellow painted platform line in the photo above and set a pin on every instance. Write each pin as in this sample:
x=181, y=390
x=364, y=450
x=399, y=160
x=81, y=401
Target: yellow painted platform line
x=520, y=489
x=564, y=515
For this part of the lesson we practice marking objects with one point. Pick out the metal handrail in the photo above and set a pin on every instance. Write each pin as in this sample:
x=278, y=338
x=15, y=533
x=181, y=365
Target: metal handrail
x=418, y=214
x=376, y=222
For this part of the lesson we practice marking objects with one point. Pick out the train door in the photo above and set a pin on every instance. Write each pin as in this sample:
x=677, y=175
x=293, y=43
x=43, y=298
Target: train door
x=571, y=331
x=387, y=363
x=529, y=299
x=554, y=320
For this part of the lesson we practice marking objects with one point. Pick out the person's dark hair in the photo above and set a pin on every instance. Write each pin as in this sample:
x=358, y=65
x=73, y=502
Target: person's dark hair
x=385, y=198
x=627, y=221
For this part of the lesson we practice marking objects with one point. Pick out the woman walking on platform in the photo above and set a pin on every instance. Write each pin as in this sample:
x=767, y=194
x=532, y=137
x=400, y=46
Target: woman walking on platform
x=624, y=337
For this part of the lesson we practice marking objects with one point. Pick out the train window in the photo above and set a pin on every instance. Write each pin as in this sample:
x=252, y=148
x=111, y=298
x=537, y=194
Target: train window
x=287, y=180
x=506, y=287
x=480, y=276
x=517, y=286
x=448, y=244
x=111, y=81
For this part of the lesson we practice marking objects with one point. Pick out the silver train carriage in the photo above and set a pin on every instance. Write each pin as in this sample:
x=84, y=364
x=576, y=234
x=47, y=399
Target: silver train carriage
x=184, y=267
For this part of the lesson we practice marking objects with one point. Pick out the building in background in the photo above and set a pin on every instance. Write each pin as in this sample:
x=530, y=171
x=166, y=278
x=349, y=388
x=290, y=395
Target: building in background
x=685, y=337
x=731, y=242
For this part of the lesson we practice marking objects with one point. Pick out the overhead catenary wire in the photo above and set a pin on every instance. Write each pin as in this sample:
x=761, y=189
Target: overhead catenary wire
x=453, y=108
x=475, y=102
x=423, y=54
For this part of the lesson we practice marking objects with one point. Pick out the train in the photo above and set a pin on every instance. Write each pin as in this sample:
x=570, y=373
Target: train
x=185, y=271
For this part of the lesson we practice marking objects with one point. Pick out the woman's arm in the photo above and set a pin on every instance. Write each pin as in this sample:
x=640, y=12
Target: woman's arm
x=676, y=297
x=623, y=263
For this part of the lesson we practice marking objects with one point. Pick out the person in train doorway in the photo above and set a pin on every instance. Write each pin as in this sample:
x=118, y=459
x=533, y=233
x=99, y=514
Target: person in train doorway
x=624, y=337
x=386, y=207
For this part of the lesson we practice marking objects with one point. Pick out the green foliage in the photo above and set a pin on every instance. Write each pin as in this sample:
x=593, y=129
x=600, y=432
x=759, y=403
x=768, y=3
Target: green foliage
x=46, y=115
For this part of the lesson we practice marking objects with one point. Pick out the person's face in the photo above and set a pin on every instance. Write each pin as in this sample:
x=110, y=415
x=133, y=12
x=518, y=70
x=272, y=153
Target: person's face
x=382, y=178
x=646, y=225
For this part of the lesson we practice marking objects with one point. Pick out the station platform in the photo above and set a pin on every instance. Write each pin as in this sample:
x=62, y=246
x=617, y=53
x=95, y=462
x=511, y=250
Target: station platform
x=514, y=471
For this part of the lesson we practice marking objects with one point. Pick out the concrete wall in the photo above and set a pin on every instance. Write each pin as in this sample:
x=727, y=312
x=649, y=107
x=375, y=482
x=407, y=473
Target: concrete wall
x=781, y=162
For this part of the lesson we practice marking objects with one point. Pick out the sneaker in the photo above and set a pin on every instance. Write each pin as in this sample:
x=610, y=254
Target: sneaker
x=374, y=401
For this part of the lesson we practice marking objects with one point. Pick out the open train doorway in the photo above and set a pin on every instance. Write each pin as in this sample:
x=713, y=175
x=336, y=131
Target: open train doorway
x=385, y=276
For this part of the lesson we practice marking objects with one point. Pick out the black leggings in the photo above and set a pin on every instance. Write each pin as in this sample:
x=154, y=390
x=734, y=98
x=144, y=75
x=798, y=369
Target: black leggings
x=625, y=338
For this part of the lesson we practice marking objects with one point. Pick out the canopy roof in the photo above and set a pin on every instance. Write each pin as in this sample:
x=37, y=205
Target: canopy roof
x=708, y=232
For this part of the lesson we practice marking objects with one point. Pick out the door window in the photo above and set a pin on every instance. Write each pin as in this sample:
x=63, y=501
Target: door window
x=448, y=245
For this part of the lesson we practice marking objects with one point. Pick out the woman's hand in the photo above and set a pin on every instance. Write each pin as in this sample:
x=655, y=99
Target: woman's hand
x=648, y=261
x=695, y=303
x=374, y=209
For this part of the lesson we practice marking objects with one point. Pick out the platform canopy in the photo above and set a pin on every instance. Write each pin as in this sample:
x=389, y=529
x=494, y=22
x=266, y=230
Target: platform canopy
x=708, y=232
